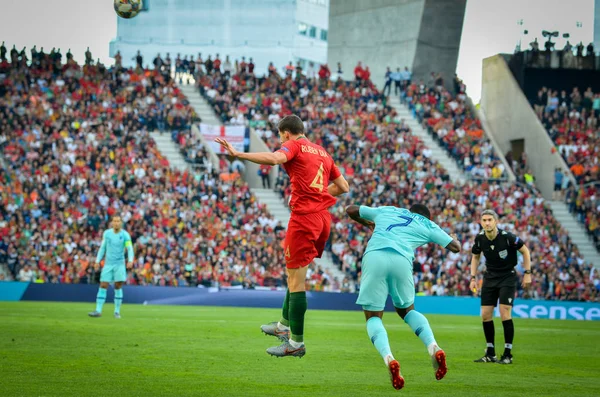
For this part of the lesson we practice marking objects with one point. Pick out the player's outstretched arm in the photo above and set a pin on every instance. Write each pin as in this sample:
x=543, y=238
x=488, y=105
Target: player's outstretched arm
x=338, y=187
x=266, y=158
x=353, y=212
x=454, y=245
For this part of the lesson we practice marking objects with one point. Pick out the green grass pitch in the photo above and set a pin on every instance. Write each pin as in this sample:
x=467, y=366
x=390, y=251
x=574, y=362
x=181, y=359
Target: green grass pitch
x=54, y=349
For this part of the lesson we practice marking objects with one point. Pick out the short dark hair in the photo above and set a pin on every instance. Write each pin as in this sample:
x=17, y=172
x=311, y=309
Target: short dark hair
x=292, y=124
x=421, y=210
x=491, y=213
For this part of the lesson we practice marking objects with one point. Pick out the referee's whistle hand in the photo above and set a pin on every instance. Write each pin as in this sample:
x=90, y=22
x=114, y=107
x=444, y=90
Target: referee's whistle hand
x=526, y=280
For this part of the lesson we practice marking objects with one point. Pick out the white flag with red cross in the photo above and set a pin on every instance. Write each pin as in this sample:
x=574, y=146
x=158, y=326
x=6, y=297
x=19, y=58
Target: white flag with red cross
x=233, y=133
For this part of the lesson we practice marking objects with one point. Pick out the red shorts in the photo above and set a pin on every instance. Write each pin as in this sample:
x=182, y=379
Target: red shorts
x=306, y=238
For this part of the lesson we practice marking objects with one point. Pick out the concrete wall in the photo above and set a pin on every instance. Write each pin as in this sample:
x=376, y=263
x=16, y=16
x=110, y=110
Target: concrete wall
x=439, y=39
x=510, y=117
x=421, y=34
x=309, y=49
x=251, y=176
x=379, y=33
x=315, y=12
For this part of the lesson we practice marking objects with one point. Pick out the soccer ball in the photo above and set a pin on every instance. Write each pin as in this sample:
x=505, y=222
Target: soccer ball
x=127, y=8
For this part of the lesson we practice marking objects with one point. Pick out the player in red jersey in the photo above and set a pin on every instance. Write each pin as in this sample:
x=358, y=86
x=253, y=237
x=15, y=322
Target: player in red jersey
x=316, y=181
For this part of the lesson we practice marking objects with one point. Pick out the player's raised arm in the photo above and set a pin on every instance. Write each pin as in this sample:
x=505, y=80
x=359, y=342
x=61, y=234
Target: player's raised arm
x=354, y=212
x=102, y=250
x=266, y=158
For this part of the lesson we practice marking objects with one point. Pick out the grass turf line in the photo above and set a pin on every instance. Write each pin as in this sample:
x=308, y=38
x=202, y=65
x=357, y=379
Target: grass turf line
x=54, y=349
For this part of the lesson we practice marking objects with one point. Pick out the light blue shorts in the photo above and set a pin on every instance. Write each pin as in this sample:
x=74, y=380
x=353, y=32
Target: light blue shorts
x=386, y=272
x=113, y=274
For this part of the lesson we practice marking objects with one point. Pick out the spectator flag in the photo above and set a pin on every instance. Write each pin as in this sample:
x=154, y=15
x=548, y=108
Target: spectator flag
x=233, y=133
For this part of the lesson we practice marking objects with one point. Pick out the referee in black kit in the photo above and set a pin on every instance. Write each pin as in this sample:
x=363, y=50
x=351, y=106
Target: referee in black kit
x=499, y=281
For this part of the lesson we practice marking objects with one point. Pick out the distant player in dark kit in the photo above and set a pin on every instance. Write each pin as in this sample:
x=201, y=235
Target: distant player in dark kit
x=499, y=281
x=311, y=169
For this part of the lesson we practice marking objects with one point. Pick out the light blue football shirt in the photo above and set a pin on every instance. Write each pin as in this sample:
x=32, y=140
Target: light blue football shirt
x=113, y=247
x=401, y=230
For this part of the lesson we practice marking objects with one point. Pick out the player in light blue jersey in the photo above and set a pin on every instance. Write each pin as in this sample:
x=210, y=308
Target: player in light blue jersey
x=387, y=269
x=114, y=243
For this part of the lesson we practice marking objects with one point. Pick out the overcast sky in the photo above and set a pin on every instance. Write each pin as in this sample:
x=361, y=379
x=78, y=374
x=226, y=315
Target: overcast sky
x=490, y=27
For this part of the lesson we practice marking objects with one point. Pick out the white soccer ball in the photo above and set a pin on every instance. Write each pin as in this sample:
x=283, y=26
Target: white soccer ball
x=127, y=8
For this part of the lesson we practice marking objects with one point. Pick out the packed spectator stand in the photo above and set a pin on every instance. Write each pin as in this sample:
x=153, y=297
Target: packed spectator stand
x=450, y=121
x=572, y=121
x=77, y=150
x=375, y=150
x=187, y=227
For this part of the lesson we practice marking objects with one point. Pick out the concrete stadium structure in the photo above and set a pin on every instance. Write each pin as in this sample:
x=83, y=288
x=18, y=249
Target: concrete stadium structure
x=421, y=34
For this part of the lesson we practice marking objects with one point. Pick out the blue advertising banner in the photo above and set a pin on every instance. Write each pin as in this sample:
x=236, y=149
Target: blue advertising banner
x=558, y=310
x=12, y=291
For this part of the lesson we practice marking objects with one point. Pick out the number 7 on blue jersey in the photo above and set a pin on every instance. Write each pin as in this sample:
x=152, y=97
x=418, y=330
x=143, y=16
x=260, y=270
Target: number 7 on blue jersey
x=406, y=222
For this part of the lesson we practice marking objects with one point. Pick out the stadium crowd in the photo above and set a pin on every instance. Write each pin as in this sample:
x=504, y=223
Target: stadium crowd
x=77, y=148
x=375, y=150
x=572, y=121
x=450, y=121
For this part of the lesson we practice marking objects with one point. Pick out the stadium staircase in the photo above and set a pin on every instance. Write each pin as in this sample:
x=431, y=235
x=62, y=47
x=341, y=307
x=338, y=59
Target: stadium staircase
x=200, y=105
x=438, y=153
x=576, y=232
x=267, y=197
x=4, y=271
x=170, y=149
x=326, y=263
x=274, y=203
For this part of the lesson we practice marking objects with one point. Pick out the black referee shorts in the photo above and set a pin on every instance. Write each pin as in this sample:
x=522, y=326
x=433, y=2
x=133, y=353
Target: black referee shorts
x=499, y=288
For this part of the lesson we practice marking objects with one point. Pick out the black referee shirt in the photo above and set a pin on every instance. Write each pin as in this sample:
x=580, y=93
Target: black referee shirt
x=500, y=253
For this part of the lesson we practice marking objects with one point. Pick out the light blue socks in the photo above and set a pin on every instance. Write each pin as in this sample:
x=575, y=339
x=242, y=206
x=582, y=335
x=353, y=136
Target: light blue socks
x=415, y=320
x=420, y=326
x=118, y=300
x=379, y=337
x=100, y=299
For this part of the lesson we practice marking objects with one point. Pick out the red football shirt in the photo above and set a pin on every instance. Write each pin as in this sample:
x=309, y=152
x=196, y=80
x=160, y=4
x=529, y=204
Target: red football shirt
x=310, y=169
